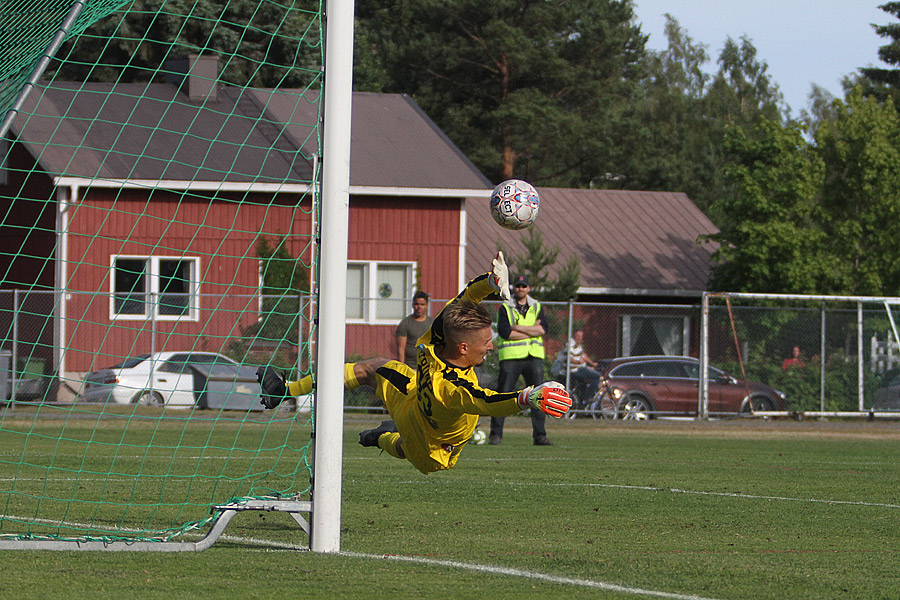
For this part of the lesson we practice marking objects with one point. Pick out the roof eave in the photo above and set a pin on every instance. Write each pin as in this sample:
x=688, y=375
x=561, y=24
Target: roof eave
x=171, y=184
x=365, y=190
x=611, y=291
x=243, y=186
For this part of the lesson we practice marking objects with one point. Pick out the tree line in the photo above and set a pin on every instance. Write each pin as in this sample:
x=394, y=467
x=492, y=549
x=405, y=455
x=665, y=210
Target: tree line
x=565, y=93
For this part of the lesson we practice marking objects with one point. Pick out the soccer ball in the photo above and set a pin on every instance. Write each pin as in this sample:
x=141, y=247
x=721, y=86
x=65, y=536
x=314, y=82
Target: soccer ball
x=479, y=437
x=514, y=204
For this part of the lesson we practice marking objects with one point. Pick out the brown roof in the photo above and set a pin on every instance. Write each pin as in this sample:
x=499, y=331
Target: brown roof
x=153, y=132
x=627, y=242
x=394, y=144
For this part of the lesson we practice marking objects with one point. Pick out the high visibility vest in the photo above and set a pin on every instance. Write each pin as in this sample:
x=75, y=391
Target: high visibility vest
x=534, y=346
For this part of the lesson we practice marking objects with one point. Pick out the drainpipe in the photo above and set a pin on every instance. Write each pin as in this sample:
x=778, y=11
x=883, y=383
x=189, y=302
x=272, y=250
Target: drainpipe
x=65, y=199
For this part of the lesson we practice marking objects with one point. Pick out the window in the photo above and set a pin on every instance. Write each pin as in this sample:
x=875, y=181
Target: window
x=654, y=335
x=158, y=287
x=130, y=286
x=632, y=370
x=182, y=363
x=175, y=282
x=356, y=292
x=378, y=292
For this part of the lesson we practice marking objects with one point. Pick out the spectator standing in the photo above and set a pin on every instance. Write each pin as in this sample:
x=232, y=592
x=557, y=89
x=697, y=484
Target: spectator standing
x=794, y=360
x=411, y=328
x=521, y=325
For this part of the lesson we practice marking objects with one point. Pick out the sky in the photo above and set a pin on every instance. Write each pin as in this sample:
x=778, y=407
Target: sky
x=803, y=41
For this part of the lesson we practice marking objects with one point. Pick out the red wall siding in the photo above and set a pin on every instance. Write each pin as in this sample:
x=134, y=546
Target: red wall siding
x=221, y=232
x=404, y=229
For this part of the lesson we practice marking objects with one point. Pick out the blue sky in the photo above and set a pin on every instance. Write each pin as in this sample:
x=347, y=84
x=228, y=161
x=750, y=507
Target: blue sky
x=803, y=41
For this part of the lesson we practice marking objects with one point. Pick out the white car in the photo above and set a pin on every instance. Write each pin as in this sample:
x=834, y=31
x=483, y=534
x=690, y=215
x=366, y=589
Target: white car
x=177, y=379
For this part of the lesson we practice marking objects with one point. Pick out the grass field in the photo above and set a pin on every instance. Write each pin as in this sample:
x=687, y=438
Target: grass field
x=725, y=510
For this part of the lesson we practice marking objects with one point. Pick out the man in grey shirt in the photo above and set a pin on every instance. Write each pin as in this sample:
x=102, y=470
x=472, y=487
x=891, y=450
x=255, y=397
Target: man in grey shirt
x=411, y=328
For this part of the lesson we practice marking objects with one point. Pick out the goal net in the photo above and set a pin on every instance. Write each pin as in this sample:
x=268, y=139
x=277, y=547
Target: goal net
x=828, y=355
x=159, y=208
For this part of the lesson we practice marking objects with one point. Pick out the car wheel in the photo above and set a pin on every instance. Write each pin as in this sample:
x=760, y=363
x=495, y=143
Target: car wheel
x=148, y=398
x=635, y=407
x=760, y=403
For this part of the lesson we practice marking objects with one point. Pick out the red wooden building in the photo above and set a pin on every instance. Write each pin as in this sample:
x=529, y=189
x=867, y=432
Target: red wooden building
x=137, y=209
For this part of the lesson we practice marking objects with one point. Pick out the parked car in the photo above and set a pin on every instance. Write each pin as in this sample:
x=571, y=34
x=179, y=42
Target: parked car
x=887, y=395
x=655, y=385
x=164, y=378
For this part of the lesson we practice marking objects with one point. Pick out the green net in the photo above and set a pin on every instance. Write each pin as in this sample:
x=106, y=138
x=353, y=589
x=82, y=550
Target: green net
x=159, y=196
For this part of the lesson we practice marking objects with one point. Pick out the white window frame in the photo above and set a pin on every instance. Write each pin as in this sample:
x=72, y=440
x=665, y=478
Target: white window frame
x=371, y=293
x=152, y=274
x=625, y=331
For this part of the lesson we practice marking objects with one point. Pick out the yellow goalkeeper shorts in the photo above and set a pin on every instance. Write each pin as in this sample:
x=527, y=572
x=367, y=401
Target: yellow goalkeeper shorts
x=396, y=386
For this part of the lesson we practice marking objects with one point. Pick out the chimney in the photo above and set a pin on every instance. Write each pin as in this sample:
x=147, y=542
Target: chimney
x=195, y=75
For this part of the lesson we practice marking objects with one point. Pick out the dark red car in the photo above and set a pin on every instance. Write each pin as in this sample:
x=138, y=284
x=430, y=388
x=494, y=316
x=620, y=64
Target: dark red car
x=670, y=385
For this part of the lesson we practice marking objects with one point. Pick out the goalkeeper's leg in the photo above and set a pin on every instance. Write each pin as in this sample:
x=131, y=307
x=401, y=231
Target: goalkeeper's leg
x=275, y=389
x=386, y=437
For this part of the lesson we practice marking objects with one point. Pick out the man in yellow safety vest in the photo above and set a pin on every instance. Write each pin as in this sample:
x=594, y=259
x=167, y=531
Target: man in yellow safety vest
x=521, y=324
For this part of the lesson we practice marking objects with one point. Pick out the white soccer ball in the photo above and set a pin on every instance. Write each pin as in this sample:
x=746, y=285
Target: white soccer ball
x=479, y=437
x=515, y=204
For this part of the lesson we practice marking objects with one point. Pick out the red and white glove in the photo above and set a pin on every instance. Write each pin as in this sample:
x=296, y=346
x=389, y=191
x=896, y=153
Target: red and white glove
x=551, y=398
x=499, y=277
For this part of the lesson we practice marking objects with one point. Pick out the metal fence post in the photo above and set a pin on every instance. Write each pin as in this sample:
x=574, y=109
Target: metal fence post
x=859, y=361
x=153, y=307
x=822, y=361
x=13, y=360
x=568, y=358
x=703, y=394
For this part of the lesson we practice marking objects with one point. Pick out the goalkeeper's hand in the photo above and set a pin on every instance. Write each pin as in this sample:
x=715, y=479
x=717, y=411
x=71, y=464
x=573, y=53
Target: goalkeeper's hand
x=550, y=397
x=499, y=277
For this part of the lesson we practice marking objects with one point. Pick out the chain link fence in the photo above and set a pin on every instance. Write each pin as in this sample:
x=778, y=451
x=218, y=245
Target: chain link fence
x=829, y=355
x=49, y=341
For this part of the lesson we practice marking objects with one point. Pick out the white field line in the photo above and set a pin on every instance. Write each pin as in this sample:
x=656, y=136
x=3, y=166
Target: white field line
x=529, y=484
x=671, y=490
x=495, y=570
x=721, y=494
x=239, y=457
x=492, y=569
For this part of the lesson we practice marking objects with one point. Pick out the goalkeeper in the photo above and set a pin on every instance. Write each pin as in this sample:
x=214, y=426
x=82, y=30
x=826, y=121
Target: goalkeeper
x=435, y=407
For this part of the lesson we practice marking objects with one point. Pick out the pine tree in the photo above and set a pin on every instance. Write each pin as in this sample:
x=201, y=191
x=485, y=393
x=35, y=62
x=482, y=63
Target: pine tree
x=535, y=261
x=885, y=82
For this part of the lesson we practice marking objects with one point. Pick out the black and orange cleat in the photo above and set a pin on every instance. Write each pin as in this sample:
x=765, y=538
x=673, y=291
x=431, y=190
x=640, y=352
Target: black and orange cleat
x=273, y=386
x=369, y=437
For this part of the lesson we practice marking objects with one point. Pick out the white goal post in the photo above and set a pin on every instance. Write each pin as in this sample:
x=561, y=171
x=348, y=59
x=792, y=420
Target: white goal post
x=329, y=398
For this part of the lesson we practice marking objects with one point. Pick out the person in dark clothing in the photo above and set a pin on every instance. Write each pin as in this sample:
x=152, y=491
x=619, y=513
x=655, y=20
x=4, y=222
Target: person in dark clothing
x=521, y=324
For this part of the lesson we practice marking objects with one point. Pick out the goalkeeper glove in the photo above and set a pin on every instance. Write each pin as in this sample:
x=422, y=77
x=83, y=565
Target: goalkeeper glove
x=499, y=277
x=551, y=398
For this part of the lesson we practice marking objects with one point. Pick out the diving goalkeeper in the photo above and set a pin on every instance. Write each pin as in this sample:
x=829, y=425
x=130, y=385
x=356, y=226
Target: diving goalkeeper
x=435, y=407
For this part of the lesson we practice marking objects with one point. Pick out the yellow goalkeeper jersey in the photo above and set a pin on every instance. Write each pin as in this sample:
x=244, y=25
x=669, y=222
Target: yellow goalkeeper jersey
x=436, y=407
